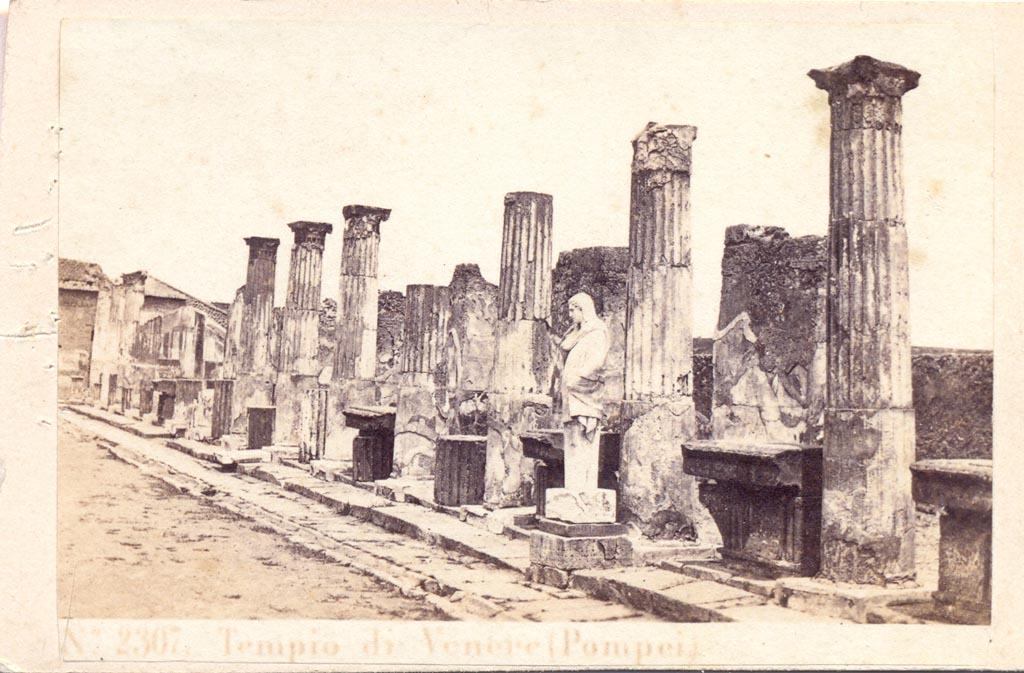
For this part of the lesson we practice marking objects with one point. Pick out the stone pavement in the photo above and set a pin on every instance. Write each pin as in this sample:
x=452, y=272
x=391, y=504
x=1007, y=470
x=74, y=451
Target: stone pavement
x=461, y=562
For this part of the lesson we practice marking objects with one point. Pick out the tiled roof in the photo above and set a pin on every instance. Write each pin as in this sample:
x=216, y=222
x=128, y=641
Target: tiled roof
x=74, y=274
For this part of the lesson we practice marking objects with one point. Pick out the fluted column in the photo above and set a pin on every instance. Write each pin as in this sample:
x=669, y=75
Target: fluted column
x=659, y=334
x=300, y=339
x=417, y=423
x=658, y=413
x=258, y=297
x=356, y=349
x=867, y=506
x=522, y=361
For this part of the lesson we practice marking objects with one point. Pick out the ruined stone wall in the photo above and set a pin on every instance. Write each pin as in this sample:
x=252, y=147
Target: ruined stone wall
x=468, y=363
x=770, y=351
x=952, y=403
x=77, y=310
x=774, y=280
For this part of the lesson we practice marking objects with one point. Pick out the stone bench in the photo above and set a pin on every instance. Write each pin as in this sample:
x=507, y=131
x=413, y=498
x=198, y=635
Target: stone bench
x=373, y=449
x=547, y=448
x=765, y=498
x=459, y=469
x=963, y=491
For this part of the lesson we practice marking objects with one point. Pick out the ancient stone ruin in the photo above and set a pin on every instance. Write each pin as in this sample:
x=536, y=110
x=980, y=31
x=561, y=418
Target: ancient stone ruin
x=786, y=441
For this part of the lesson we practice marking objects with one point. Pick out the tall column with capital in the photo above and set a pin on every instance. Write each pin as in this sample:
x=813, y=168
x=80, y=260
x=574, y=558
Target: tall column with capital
x=355, y=356
x=258, y=313
x=867, y=506
x=417, y=422
x=521, y=379
x=300, y=340
x=657, y=412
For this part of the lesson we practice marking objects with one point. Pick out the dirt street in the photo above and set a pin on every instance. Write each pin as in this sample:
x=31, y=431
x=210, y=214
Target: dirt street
x=130, y=547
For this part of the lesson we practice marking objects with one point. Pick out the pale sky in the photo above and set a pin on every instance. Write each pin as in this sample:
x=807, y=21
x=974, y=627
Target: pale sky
x=181, y=138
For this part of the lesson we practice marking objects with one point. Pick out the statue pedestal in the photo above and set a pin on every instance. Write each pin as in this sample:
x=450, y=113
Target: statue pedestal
x=557, y=549
x=580, y=506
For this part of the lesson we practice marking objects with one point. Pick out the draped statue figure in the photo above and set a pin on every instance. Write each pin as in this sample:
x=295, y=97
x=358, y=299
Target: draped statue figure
x=584, y=349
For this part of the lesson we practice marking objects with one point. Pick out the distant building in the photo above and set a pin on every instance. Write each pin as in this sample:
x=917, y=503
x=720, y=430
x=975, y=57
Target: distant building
x=78, y=286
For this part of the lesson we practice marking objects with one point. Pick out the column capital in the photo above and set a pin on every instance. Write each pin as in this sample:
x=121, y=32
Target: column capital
x=518, y=198
x=313, y=232
x=363, y=221
x=260, y=247
x=663, y=147
x=865, y=76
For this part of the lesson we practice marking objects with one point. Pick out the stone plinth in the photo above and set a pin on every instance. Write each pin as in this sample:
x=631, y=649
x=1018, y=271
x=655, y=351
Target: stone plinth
x=355, y=356
x=417, y=422
x=945, y=427
x=770, y=346
x=963, y=491
x=554, y=557
x=258, y=306
x=765, y=498
x=521, y=381
x=546, y=447
x=580, y=506
x=867, y=510
x=373, y=448
x=261, y=427
x=459, y=471
x=657, y=410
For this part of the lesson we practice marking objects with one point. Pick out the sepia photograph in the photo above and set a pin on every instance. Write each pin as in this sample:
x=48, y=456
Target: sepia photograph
x=510, y=334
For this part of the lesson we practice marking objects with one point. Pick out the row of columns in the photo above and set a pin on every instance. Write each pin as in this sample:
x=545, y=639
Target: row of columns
x=868, y=512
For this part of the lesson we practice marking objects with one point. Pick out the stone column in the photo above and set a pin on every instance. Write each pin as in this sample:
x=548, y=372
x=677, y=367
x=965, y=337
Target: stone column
x=658, y=413
x=259, y=305
x=867, y=506
x=300, y=339
x=521, y=380
x=416, y=415
x=356, y=350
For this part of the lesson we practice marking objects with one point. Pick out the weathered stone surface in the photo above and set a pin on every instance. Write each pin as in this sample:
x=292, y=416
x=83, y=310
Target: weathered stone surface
x=372, y=457
x=290, y=394
x=459, y=470
x=601, y=273
x=566, y=529
x=355, y=353
x=300, y=337
x=654, y=492
x=509, y=473
x=575, y=553
x=963, y=489
x=578, y=506
x=417, y=426
x=868, y=514
x=258, y=306
x=261, y=427
x=658, y=412
x=526, y=259
x=867, y=510
x=248, y=391
x=772, y=527
x=777, y=465
x=220, y=415
x=313, y=424
x=769, y=381
x=952, y=403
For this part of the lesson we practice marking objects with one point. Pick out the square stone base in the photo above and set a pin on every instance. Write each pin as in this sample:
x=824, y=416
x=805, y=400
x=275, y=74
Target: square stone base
x=580, y=529
x=579, y=553
x=596, y=506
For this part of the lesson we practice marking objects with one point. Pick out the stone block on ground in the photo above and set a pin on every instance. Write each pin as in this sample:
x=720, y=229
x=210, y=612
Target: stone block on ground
x=575, y=553
x=596, y=506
